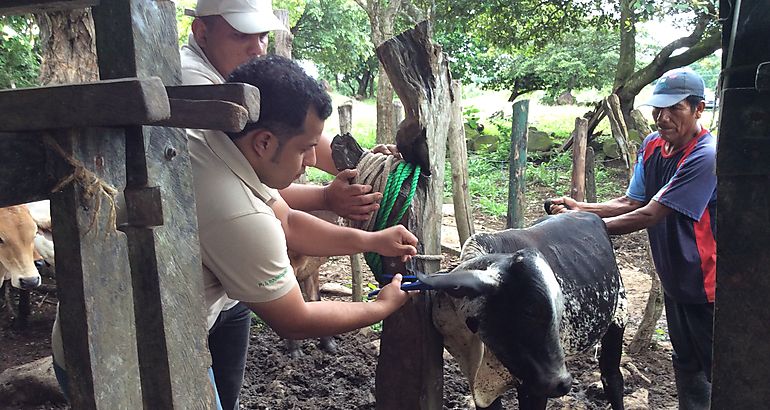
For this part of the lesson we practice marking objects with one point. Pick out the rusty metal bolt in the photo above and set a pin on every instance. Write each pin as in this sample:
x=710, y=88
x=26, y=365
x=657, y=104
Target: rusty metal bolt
x=170, y=153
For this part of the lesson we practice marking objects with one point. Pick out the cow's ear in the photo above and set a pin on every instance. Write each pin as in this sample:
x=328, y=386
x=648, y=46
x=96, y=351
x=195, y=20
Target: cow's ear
x=463, y=283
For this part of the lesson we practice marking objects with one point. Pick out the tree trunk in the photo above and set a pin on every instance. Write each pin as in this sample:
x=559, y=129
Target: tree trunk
x=67, y=47
x=702, y=41
x=385, y=132
x=627, y=57
x=382, y=18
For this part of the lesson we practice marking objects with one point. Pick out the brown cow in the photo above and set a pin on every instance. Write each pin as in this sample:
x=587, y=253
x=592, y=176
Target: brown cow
x=17, y=248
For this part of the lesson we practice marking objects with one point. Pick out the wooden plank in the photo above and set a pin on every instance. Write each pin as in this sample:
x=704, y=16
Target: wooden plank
x=11, y=7
x=458, y=156
x=24, y=175
x=96, y=304
x=410, y=355
x=518, y=165
x=138, y=39
x=245, y=95
x=578, y=185
x=98, y=104
x=206, y=114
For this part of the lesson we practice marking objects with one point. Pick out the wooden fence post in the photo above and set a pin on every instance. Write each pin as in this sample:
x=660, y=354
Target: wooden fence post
x=458, y=156
x=518, y=165
x=409, y=370
x=590, y=175
x=345, y=112
x=162, y=228
x=283, y=39
x=578, y=186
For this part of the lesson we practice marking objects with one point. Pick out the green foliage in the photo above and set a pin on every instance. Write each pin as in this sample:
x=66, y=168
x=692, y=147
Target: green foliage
x=19, y=54
x=709, y=69
x=335, y=35
x=487, y=183
x=583, y=60
x=183, y=22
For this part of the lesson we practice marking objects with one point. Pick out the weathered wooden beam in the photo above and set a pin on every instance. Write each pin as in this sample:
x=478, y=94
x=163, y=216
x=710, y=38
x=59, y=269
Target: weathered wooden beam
x=11, y=7
x=245, y=95
x=206, y=114
x=96, y=307
x=24, y=175
x=137, y=38
x=98, y=104
x=419, y=72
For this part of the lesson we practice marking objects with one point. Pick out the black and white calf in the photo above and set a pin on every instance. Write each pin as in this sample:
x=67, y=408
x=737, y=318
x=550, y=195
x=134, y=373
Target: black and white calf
x=524, y=300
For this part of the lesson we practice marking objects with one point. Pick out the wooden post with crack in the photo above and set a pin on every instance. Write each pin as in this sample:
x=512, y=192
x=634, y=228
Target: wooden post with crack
x=131, y=297
x=410, y=361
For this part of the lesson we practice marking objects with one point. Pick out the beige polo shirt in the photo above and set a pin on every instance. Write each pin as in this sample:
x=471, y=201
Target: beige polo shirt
x=243, y=245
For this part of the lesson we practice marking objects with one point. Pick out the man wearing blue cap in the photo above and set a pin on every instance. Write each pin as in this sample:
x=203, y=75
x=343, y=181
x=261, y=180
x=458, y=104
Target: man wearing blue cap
x=673, y=195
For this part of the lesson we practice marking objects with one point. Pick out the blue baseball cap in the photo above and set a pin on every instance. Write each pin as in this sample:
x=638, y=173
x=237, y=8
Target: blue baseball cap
x=675, y=86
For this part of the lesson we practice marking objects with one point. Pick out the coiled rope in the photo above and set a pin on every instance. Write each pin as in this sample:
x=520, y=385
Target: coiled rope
x=385, y=174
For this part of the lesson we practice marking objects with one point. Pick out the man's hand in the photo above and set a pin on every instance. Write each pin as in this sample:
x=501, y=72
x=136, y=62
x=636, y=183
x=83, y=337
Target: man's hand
x=392, y=295
x=394, y=241
x=353, y=201
x=563, y=204
x=387, y=149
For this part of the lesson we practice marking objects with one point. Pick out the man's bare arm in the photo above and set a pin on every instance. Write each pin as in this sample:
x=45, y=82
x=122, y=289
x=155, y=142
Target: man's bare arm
x=291, y=317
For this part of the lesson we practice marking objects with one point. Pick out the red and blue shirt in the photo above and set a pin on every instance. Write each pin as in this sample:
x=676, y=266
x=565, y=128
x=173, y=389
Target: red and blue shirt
x=684, y=242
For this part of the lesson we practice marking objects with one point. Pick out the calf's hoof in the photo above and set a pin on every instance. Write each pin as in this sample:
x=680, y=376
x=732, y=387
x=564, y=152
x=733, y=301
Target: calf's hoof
x=328, y=344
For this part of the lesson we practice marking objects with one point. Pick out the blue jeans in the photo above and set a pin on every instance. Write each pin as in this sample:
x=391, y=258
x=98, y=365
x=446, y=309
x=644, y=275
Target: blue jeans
x=228, y=344
x=63, y=379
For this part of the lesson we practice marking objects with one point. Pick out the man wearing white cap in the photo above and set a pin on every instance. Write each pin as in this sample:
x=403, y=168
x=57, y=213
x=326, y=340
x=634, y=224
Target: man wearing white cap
x=226, y=34
x=673, y=195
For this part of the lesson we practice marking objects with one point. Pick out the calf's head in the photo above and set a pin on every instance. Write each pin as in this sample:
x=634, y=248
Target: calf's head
x=17, y=234
x=514, y=303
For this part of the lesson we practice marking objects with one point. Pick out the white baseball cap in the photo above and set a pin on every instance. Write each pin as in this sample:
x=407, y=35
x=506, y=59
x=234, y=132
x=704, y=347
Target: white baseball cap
x=246, y=16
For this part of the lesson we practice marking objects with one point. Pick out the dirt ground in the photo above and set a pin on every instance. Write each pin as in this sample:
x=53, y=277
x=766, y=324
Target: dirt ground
x=345, y=380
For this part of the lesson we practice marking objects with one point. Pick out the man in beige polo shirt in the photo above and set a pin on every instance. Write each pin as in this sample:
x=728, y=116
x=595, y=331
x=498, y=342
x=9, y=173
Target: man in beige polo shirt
x=225, y=34
x=245, y=226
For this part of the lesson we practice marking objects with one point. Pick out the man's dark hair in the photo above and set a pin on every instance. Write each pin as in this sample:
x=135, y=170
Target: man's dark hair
x=286, y=94
x=693, y=101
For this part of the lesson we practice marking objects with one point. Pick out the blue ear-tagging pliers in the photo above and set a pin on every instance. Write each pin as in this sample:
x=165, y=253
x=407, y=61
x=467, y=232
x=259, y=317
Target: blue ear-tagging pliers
x=409, y=282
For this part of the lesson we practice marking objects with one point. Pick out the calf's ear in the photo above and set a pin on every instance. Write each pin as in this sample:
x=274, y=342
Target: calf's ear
x=462, y=283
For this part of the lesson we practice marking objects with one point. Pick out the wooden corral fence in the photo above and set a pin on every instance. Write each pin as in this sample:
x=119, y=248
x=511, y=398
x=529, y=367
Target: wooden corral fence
x=131, y=302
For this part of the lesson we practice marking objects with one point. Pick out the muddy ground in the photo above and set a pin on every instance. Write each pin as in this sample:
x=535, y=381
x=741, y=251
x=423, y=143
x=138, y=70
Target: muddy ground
x=345, y=380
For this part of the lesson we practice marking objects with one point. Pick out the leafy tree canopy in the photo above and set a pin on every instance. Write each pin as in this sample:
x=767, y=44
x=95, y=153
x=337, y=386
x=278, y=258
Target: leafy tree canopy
x=19, y=56
x=335, y=35
x=584, y=60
